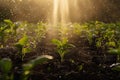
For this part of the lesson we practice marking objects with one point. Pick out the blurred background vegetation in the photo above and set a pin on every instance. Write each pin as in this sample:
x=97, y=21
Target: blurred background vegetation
x=39, y=10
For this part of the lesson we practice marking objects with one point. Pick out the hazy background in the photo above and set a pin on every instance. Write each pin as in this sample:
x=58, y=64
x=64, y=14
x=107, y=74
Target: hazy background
x=41, y=10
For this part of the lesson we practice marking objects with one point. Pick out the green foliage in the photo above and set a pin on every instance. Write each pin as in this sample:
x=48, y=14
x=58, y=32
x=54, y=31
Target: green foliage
x=35, y=32
x=40, y=60
x=31, y=64
x=104, y=34
x=116, y=68
x=99, y=34
x=5, y=67
x=7, y=32
x=80, y=67
x=62, y=46
x=23, y=46
x=23, y=41
x=40, y=31
x=116, y=52
x=80, y=29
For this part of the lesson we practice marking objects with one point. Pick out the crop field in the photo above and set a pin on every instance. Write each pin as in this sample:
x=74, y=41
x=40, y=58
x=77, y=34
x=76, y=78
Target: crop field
x=59, y=40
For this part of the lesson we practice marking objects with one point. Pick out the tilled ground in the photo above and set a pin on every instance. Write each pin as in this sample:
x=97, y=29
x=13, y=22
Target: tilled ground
x=81, y=63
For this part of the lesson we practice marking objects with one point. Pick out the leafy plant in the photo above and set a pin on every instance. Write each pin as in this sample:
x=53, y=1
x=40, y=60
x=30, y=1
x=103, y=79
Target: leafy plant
x=5, y=67
x=103, y=35
x=40, y=30
x=62, y=47
x=35, y=35
x=31, y=64
x=23, y=46
x=116, y=52
x=115, y=66
x=80, y=29
x=7, y=32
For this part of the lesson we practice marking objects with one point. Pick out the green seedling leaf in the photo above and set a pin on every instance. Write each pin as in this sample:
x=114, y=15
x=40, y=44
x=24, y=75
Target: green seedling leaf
x=8, y=21
x=62, y=46
x=36, y=61
x=2, y=29
x=27, y=70
x=40, y=60
x=114, y=51
x=23, y=41
x=71, y=45
x=116, y=68
x=22, y=46
x=111, y=44
x=80, y=67
x=28, y=67
x=5, y=65
x=26, y=50
x=64, y=41
x=19, y=46
x=56, y=42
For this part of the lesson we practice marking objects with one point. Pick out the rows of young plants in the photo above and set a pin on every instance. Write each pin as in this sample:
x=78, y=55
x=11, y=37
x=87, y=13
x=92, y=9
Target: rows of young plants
x=103, y=38
x=25, y=37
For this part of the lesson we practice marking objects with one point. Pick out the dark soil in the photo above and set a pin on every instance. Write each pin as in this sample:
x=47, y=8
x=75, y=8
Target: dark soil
x=84, y=62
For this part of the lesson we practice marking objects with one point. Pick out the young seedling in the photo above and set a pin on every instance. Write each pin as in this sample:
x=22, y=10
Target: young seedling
x=5, y=67
x=62, y=47
x=115, y=66
x=116, y=52
x=7, y=31
x=22, y=47
x=31, y=64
